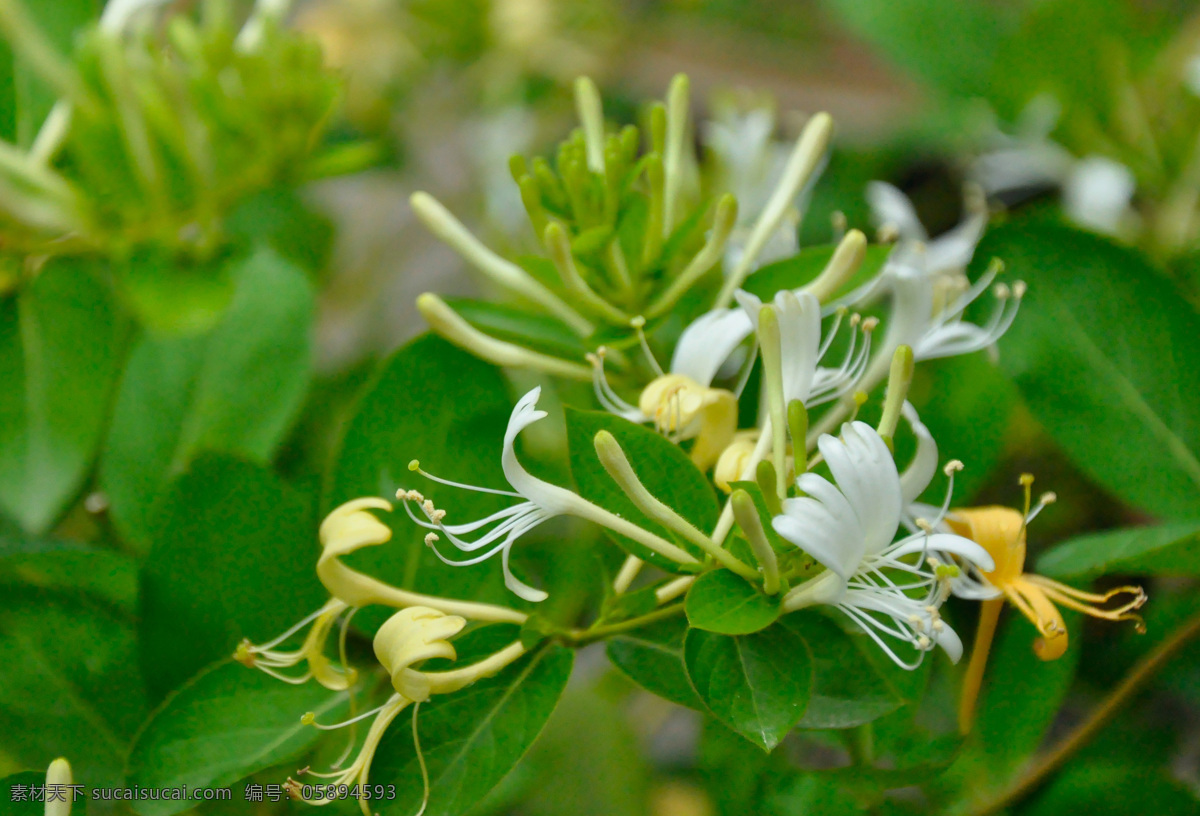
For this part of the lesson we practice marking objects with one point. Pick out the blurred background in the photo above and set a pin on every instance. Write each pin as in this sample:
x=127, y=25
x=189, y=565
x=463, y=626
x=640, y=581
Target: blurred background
x=1085, y=112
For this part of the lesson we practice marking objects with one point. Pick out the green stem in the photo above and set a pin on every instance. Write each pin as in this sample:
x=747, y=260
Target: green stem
x=1129, y=686
x=583, y=637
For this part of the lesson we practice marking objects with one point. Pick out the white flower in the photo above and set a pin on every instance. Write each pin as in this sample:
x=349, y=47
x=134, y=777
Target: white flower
x=801, y=348
x=849, y=528
x=542, y=501
x=1096, y=190
x=928, y=318
x=949, y=253
x=750, y=162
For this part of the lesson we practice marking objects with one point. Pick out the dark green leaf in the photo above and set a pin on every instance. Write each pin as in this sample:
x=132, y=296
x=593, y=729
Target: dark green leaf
x=662, y=467
x=1020, y=697
x=69, y=684
x=60, y=342
x=438, y=404
x=16, y=798
x=1106, y=788
x=1172, y=549
x=50, y=564
x=173, y=295
x=235, y=390
x=848, y=689
x=1104, y=353
x=473, y=737
x=234, y=556
x=652, y=656
x=225, y=724
x=722, y=602
x=758, y=684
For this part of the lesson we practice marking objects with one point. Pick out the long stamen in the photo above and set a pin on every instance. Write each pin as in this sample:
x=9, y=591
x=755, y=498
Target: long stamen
x=415, y=466
x=639, y=327
x=311, y=719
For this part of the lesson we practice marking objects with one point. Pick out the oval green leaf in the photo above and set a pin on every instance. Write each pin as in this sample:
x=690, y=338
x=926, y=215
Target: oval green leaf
x=1170, y=549
x=472, y=738
x=235, y=389
x=60, y=349
x=758, y=685
x=727, y=604
x=652, y=656
x=1105, y=353
x=234, y=556
x=228, y=722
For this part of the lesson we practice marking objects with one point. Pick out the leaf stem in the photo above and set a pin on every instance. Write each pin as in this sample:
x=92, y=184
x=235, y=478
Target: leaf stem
x=582, y=637
x=1129, y=686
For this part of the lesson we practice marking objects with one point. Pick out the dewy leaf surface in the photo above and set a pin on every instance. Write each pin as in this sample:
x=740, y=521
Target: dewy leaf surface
x=1105, y=354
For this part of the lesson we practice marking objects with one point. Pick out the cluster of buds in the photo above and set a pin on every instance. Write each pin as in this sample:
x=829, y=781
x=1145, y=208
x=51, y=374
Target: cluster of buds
x=161, y=126
x=818, y=511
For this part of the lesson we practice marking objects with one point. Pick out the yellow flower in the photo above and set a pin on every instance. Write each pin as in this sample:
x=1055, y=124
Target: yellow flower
x=682, y=408
x=1001, y=531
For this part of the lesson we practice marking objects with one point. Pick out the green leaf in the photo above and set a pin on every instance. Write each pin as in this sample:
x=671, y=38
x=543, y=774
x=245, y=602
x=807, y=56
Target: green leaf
x=652, y=656
x=473, y=737
x=225, y=724
x=804, y=267
x=172, y=295
x=848, y=687
x=962, y=64
x=234, y=556
x=1104, y=353
x=722, y=602
x=438, y=404
x=758, y=685
x=60, y=342
x=1170, y=549
x=49, y=564
x=235, y=390
x=69, y=684
x=16, y=798
x=1107, y=788
x=1020, y=697
x=662, y=467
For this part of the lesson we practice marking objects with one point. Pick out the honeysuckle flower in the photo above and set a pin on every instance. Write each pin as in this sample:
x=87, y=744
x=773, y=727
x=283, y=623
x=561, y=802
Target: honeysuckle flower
x=802, y=349
x=682, y=402
x=848, y=526
x=541, y=501
x=1096, y=190
x=1001, y=531
x=268, y=658
x=949, y=253
x=749, y=162
x=408, y=637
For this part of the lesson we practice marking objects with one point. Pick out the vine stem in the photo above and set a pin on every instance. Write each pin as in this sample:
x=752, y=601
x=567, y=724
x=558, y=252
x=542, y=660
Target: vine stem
x=1129, y=686
x=582, y=637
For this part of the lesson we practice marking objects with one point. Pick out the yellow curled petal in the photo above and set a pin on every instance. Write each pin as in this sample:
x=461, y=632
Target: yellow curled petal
x=1043, y=614
x=410, y=636
x=1000, y=531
